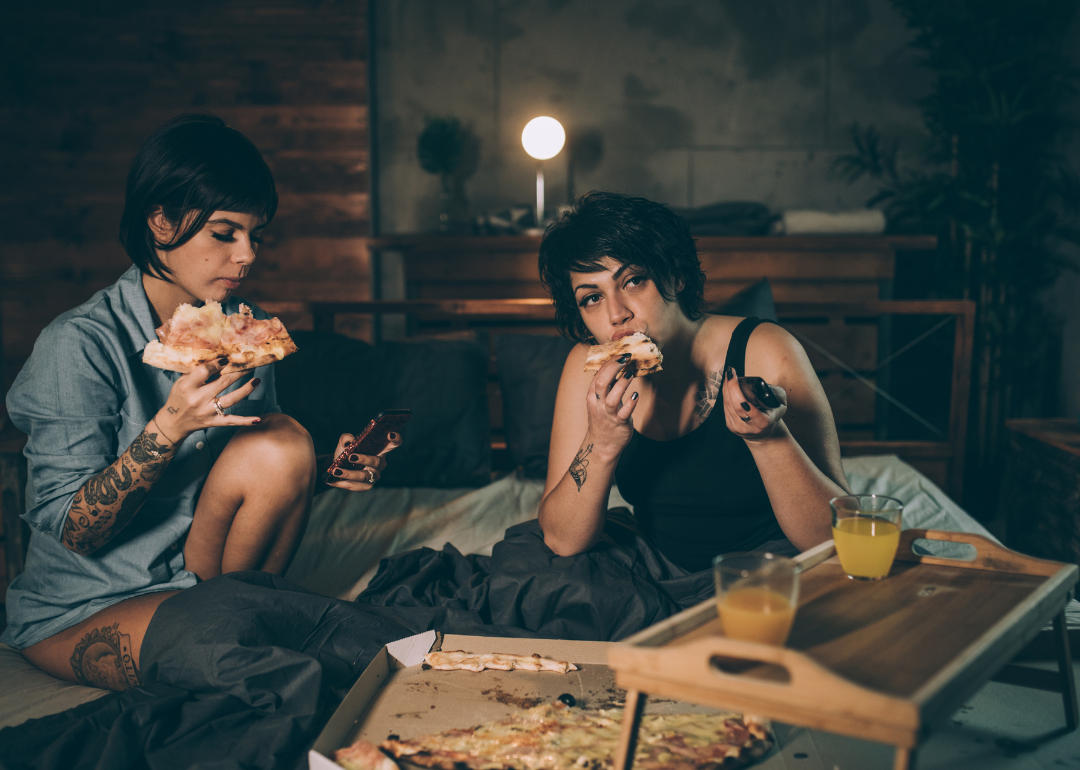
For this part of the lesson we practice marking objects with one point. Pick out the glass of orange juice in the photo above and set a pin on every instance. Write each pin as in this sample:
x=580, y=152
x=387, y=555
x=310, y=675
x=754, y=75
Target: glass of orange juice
x=756, y=594
x=866, y=529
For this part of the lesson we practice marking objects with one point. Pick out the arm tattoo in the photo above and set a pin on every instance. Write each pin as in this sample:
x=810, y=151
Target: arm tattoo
x=108, y=501
x=104, y=659
x=707, y=398
x=578, y=467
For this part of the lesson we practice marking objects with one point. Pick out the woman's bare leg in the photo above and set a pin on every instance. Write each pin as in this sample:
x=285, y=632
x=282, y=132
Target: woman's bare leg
x=254, y=507
x=103, y=650
x=251, y=515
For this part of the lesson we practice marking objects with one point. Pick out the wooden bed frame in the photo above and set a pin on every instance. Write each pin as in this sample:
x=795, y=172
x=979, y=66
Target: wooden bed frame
x=859, y=331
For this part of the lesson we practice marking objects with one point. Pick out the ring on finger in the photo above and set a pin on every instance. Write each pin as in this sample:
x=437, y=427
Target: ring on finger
x=370, y=476
x=217, y=407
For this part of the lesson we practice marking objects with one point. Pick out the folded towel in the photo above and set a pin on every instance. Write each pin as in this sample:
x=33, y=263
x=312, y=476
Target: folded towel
x=804, y=222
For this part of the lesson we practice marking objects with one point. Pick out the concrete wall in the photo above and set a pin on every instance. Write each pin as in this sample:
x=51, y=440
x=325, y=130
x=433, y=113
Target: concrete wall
x=690, y=101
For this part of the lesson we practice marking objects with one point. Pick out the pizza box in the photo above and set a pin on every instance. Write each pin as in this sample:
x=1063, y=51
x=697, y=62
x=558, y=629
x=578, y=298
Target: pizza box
x=396, y=696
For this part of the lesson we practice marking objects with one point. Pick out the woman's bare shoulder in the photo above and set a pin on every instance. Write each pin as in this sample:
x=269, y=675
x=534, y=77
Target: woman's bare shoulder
x=772, y=351
x=711, y=344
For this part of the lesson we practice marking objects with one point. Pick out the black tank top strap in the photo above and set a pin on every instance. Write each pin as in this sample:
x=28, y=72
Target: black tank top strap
x=736, y=352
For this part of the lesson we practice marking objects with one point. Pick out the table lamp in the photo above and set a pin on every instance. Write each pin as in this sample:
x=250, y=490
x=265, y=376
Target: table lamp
x=542, y=138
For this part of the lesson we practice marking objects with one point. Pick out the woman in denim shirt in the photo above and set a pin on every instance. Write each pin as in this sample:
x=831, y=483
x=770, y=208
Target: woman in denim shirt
x=139, y=486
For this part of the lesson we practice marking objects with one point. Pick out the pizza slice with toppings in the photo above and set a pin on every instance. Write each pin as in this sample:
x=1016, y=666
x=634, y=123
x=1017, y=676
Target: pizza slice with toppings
x=196, y=335
x=554, y=736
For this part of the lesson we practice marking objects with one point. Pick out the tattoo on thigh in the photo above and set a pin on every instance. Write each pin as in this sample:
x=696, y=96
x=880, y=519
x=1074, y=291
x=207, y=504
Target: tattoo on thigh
x=104, y=659
x=578, y=467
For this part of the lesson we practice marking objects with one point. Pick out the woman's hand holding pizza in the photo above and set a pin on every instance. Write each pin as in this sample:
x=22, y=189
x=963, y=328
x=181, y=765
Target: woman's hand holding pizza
x=611, y=422
x=360, y=472
x=195, y=404
x=746, y=416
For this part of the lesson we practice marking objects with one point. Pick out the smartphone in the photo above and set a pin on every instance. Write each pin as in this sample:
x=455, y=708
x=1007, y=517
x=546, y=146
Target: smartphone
x=756, y=389
x=374, y=437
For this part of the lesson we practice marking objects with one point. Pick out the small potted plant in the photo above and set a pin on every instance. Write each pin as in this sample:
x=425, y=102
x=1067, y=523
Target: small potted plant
x=451, y=150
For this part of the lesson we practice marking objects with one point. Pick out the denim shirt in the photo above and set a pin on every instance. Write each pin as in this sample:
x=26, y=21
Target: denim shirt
x=83, y=397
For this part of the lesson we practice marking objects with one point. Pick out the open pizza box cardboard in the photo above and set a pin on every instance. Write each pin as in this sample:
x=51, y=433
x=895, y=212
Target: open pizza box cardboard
x=396, y=696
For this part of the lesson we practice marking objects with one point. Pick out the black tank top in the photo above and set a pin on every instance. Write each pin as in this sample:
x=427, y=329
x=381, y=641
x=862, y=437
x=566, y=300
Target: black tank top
x=699, y=495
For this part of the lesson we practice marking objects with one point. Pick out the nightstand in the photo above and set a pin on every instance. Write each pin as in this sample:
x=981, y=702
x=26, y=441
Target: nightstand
x=1040, y=494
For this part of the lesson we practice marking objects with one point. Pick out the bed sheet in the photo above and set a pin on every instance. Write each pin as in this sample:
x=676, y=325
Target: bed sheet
x=349, y=533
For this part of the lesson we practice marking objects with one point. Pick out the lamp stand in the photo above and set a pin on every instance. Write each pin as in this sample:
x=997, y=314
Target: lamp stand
x=539, y=197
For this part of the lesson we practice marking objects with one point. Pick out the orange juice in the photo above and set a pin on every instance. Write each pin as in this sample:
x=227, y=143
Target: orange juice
x=866, y=545
x=756, y=615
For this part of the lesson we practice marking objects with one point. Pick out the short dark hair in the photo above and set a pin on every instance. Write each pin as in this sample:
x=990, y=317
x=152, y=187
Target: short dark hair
x=193, y=165
x=632, y=231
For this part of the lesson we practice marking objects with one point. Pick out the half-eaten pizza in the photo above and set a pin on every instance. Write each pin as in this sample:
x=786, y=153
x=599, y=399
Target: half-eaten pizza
x=554, y=736
x=645, y=357
x=195, y=335
x=457, y=660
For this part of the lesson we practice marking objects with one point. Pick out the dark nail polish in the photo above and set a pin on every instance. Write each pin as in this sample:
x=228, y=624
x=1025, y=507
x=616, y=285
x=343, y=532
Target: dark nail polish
x=730, y=372
x=354, y=458
x=339, y=472
x=634, y=397
x=745, y=406
x=624, y=358
x=392, y=436
x=223, y=360
x=255, y=382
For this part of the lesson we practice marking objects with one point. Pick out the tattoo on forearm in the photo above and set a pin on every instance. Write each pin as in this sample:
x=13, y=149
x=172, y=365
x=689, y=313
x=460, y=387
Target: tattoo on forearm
x=578, y=467
x=109, y=500
x=707, y=398
x=104, y=659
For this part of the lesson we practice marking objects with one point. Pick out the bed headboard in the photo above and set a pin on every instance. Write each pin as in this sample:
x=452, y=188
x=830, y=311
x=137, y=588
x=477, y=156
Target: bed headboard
x=897, y=373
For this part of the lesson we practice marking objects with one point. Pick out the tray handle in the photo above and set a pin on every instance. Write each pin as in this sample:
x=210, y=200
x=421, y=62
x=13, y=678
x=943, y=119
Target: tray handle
x=693, y=664
x=988, y=554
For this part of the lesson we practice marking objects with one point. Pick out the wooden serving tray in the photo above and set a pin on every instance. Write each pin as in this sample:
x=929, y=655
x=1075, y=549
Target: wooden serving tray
x=882, y=660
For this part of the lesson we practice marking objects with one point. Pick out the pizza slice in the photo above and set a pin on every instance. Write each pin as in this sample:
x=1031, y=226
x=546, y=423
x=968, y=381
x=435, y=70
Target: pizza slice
x=457, y=660
x=645, y=357
x=250, y=342
x=196, y=335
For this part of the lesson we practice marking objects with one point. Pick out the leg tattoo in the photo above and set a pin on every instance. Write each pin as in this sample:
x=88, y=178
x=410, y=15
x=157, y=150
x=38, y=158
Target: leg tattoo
x=578, y=467
x=104, y=659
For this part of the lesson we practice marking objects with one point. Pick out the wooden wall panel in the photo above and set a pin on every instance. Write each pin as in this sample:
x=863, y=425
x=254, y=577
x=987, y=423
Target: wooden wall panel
x=84, y=84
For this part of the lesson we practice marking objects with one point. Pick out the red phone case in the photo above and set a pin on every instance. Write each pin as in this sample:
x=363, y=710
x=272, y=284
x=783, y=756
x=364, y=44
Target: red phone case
x=373, y=440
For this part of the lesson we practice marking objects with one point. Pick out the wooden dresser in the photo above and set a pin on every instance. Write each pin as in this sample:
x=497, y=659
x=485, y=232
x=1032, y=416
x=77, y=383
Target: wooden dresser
x=1040, y=495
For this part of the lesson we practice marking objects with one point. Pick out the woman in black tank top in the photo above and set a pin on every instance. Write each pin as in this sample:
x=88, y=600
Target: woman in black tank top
x=708, y=468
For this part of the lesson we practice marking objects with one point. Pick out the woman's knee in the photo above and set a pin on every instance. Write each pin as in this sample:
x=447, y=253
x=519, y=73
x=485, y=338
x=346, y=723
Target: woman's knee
x=278, y=442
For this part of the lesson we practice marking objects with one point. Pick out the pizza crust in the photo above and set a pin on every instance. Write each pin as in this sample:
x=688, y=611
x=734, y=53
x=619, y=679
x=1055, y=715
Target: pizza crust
x=364, y=756
x=645, y=357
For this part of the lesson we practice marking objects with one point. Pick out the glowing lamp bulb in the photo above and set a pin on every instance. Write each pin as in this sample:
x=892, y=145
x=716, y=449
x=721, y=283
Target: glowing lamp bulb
x=543, y=138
